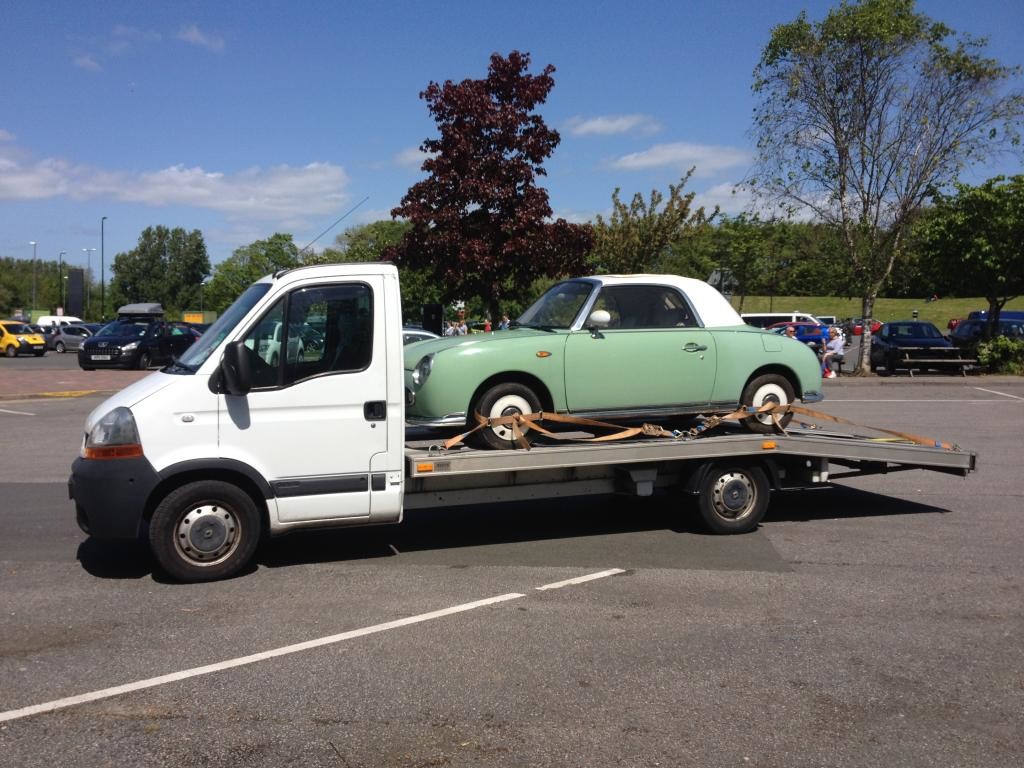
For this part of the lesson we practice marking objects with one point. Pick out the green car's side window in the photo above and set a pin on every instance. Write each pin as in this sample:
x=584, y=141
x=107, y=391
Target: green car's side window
x=645, y=306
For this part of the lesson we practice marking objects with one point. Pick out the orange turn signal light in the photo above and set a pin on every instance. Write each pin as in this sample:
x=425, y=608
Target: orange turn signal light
x=132, y=451
x=542, y=353
x=769, y=445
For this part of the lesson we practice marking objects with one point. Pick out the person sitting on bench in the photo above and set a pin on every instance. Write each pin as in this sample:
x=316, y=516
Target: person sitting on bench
x=833, y=351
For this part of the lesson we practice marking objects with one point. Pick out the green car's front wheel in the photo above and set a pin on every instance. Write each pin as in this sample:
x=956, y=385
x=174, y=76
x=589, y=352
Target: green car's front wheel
x=504, y=399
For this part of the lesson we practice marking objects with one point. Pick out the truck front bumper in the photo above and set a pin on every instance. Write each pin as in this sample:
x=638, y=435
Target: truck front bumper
x=110, y=495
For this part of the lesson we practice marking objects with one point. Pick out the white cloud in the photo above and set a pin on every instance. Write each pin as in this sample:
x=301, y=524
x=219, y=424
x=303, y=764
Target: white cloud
x=707, y=158
x=124, y=38
x=6, y=135
x=283, y=194
x=731, y=199
x=194, y=35
x=412, y=157
x=86, y=61
x=610, y=125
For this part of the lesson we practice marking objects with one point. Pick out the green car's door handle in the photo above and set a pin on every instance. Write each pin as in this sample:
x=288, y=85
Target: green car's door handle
x=691, y=347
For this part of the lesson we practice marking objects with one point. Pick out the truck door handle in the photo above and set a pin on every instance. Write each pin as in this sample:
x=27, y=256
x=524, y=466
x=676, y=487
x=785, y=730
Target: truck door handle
x=374, y=410
x=691, y=347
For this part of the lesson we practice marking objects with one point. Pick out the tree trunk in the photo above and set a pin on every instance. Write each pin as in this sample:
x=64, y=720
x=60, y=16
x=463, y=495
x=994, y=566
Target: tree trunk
x=867, y=310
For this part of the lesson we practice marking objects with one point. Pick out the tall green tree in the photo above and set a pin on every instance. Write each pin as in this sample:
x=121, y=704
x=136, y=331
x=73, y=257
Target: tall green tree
x=247, y=264
x=972, y=242
x=863, y=114
x=639, y=236
x=167, y=266
x=479, y=220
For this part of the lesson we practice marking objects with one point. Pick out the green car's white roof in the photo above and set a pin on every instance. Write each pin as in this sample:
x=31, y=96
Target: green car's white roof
x=713, y=308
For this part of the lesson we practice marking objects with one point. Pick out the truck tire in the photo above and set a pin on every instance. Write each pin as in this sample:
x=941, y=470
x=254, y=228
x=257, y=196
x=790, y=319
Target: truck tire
x=204, y=530
x=770, y=388
x=503, y=399
x=733, y=497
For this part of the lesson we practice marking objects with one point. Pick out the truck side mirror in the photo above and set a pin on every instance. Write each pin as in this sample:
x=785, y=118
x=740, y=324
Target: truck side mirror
x=236, y=369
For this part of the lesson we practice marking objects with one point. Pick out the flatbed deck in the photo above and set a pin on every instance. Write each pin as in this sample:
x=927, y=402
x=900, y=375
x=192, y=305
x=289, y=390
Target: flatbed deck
x=425, y=458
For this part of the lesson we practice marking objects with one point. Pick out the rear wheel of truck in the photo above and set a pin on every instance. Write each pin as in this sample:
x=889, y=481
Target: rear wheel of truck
x=733, y=497
x=204, y=530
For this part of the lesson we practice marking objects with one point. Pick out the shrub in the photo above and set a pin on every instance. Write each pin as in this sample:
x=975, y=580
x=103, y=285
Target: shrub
x=1002, y=355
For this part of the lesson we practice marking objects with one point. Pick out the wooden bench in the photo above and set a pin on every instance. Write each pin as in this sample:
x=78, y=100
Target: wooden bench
x=936, y=358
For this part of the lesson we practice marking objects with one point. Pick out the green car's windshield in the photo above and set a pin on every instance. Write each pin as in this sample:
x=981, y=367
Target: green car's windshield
x=558, y=307
x=197, y=354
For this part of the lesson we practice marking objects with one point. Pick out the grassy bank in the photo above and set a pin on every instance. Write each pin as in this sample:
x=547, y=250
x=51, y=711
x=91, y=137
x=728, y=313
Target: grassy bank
x=938, y=312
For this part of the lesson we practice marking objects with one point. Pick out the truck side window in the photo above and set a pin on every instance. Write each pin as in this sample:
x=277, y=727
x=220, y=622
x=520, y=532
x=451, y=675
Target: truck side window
x=330, y=330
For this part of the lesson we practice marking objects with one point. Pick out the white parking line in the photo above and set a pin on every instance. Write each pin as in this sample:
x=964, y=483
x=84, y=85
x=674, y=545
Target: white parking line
x=581, y=579
x=994, y=392
x=16, y=413
x=106, y=693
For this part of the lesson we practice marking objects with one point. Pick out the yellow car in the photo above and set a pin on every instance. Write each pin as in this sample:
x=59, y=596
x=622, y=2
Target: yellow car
x=17, y=337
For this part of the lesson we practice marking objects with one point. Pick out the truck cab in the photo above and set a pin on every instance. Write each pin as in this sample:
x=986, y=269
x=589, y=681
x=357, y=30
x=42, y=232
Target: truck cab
x=224, y=443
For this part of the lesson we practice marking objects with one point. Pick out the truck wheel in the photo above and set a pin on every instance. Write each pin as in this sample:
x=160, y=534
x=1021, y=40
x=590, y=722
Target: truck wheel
x=503, y=399
x=733, y=498
x=770, y=388
x=144, y=361
x=204, y=530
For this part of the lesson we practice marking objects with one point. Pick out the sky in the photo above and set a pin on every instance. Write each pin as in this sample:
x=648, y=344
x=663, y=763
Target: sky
x=242, y=119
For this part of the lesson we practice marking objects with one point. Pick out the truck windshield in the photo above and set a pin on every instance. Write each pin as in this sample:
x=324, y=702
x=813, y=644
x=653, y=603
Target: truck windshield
x=197, y=354
x=558, y=307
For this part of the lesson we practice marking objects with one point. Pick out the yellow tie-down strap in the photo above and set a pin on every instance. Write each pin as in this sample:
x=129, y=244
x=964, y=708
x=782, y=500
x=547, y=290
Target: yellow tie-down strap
x=521, y=423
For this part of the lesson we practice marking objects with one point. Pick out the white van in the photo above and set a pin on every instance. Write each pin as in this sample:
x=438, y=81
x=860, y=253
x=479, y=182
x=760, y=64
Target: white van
x=764, y=319
x=49, y=320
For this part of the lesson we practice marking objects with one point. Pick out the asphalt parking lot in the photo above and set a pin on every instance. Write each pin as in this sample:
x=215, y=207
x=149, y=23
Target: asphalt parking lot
x=878, y=622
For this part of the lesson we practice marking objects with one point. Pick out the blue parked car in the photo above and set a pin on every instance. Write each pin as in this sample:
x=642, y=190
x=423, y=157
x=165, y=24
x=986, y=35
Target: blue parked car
x=814, y=335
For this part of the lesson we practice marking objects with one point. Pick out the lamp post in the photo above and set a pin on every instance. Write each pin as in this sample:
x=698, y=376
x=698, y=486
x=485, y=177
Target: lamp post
x=102, y=273
x=33, y=244
x=88, y=279
x=60, y=275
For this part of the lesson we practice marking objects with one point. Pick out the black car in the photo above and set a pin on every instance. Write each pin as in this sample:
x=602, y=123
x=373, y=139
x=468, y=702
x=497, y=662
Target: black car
x=899, y=341
x=135, y=344
x=969, y=332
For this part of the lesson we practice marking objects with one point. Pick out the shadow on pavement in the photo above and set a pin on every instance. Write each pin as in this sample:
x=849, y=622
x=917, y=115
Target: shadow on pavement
x=594, y=531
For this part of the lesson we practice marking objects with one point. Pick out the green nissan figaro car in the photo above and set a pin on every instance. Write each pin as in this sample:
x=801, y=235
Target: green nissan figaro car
x=613, y=347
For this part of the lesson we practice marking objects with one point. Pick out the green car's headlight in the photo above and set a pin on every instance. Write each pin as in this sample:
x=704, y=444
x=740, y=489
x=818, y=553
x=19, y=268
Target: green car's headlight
x=422, y=370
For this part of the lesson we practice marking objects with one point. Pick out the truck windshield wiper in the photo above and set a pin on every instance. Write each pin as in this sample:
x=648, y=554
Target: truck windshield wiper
x=176, y=367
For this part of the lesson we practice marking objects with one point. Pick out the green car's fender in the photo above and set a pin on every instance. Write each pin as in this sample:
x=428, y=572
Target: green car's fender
x=464, y=366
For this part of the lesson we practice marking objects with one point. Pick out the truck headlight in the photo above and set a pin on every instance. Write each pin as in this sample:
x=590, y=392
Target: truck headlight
x=422, y=370
x=114, y=436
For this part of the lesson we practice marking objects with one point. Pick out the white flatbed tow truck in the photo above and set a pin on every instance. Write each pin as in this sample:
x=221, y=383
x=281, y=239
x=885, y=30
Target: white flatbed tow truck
x=208, y=455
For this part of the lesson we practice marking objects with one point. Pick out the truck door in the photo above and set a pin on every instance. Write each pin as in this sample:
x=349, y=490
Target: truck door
x=313, y=423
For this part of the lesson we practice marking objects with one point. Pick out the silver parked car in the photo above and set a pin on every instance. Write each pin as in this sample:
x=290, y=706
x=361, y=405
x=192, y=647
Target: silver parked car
x=67, y=337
